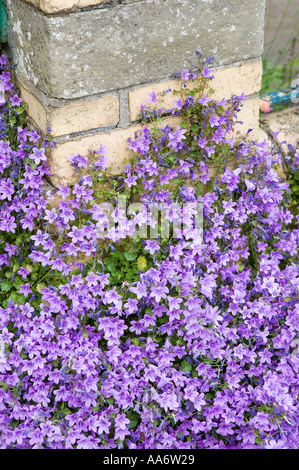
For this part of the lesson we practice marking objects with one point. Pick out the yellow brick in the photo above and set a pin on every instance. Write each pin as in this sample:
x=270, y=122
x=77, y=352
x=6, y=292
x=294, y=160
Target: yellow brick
x=55, y=6
x=245, y=79
x=117, y=144
x=141, y=95
x=249, y=115
x=83, y=115
x=115, y=141
x=75, y=116
x=34, y=108
x=233, y=80
x=118, y=147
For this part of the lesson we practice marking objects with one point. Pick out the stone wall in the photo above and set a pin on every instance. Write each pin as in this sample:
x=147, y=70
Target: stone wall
x=85, y=66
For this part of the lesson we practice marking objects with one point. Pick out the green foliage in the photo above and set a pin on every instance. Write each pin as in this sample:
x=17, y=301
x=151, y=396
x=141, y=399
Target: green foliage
x=122, y=263
x=277, y=76
x=280, y=67
x=292, y=175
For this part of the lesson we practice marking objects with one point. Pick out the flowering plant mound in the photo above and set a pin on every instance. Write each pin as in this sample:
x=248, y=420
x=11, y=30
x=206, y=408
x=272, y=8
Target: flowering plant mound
x=173, y=324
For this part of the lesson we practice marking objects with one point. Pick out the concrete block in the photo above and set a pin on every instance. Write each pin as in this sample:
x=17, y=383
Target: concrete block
x=121, y=45
x=285, y=122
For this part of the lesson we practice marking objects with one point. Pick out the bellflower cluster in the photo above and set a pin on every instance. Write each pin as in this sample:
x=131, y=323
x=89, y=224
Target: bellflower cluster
x=127, y=329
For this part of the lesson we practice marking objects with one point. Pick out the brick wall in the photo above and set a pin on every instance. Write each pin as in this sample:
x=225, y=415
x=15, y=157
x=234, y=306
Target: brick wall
x=85, y=66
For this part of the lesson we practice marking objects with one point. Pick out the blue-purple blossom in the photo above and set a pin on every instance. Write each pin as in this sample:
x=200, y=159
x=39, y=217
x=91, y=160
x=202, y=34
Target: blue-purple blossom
x=199, y=349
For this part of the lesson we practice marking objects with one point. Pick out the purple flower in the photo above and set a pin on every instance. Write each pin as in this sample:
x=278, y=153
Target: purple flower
x=178, y=104
x=23, y=272
x=131, y=306
x=160, y=291
x=10, y=249
x=51, y=215
x=15, y=100
x=120, y=426
x=231, y=177
x=152, y=246
x=38, y=155
x=214, y=120
x=175, y=138
x=152, y=98
x=185, y=75
x=140, y=290
x=131, y=180
x=103, y=424
x=207, y=73
x=7, y=189
x=78, y=160
x=168, y=401
x=25, y=289
x=102, y=163
x=198, y=351
x=204, y=100
x=64, y=192
x=36, y=437
x=39, y=238
x=218, y=135
x=210, y=150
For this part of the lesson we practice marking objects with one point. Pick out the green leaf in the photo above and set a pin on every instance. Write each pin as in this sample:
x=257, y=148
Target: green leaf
x=149, y=311
x=14, y=423
x=186, y=366
x=12, y=120
x=40, y=286
x=133, y=423
x=184, y=125
x=5, y=286
x=241, y=267
x=16, y=267
x=3, y=385
x=130, y=256
x=141, y=263
x=133, y=417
